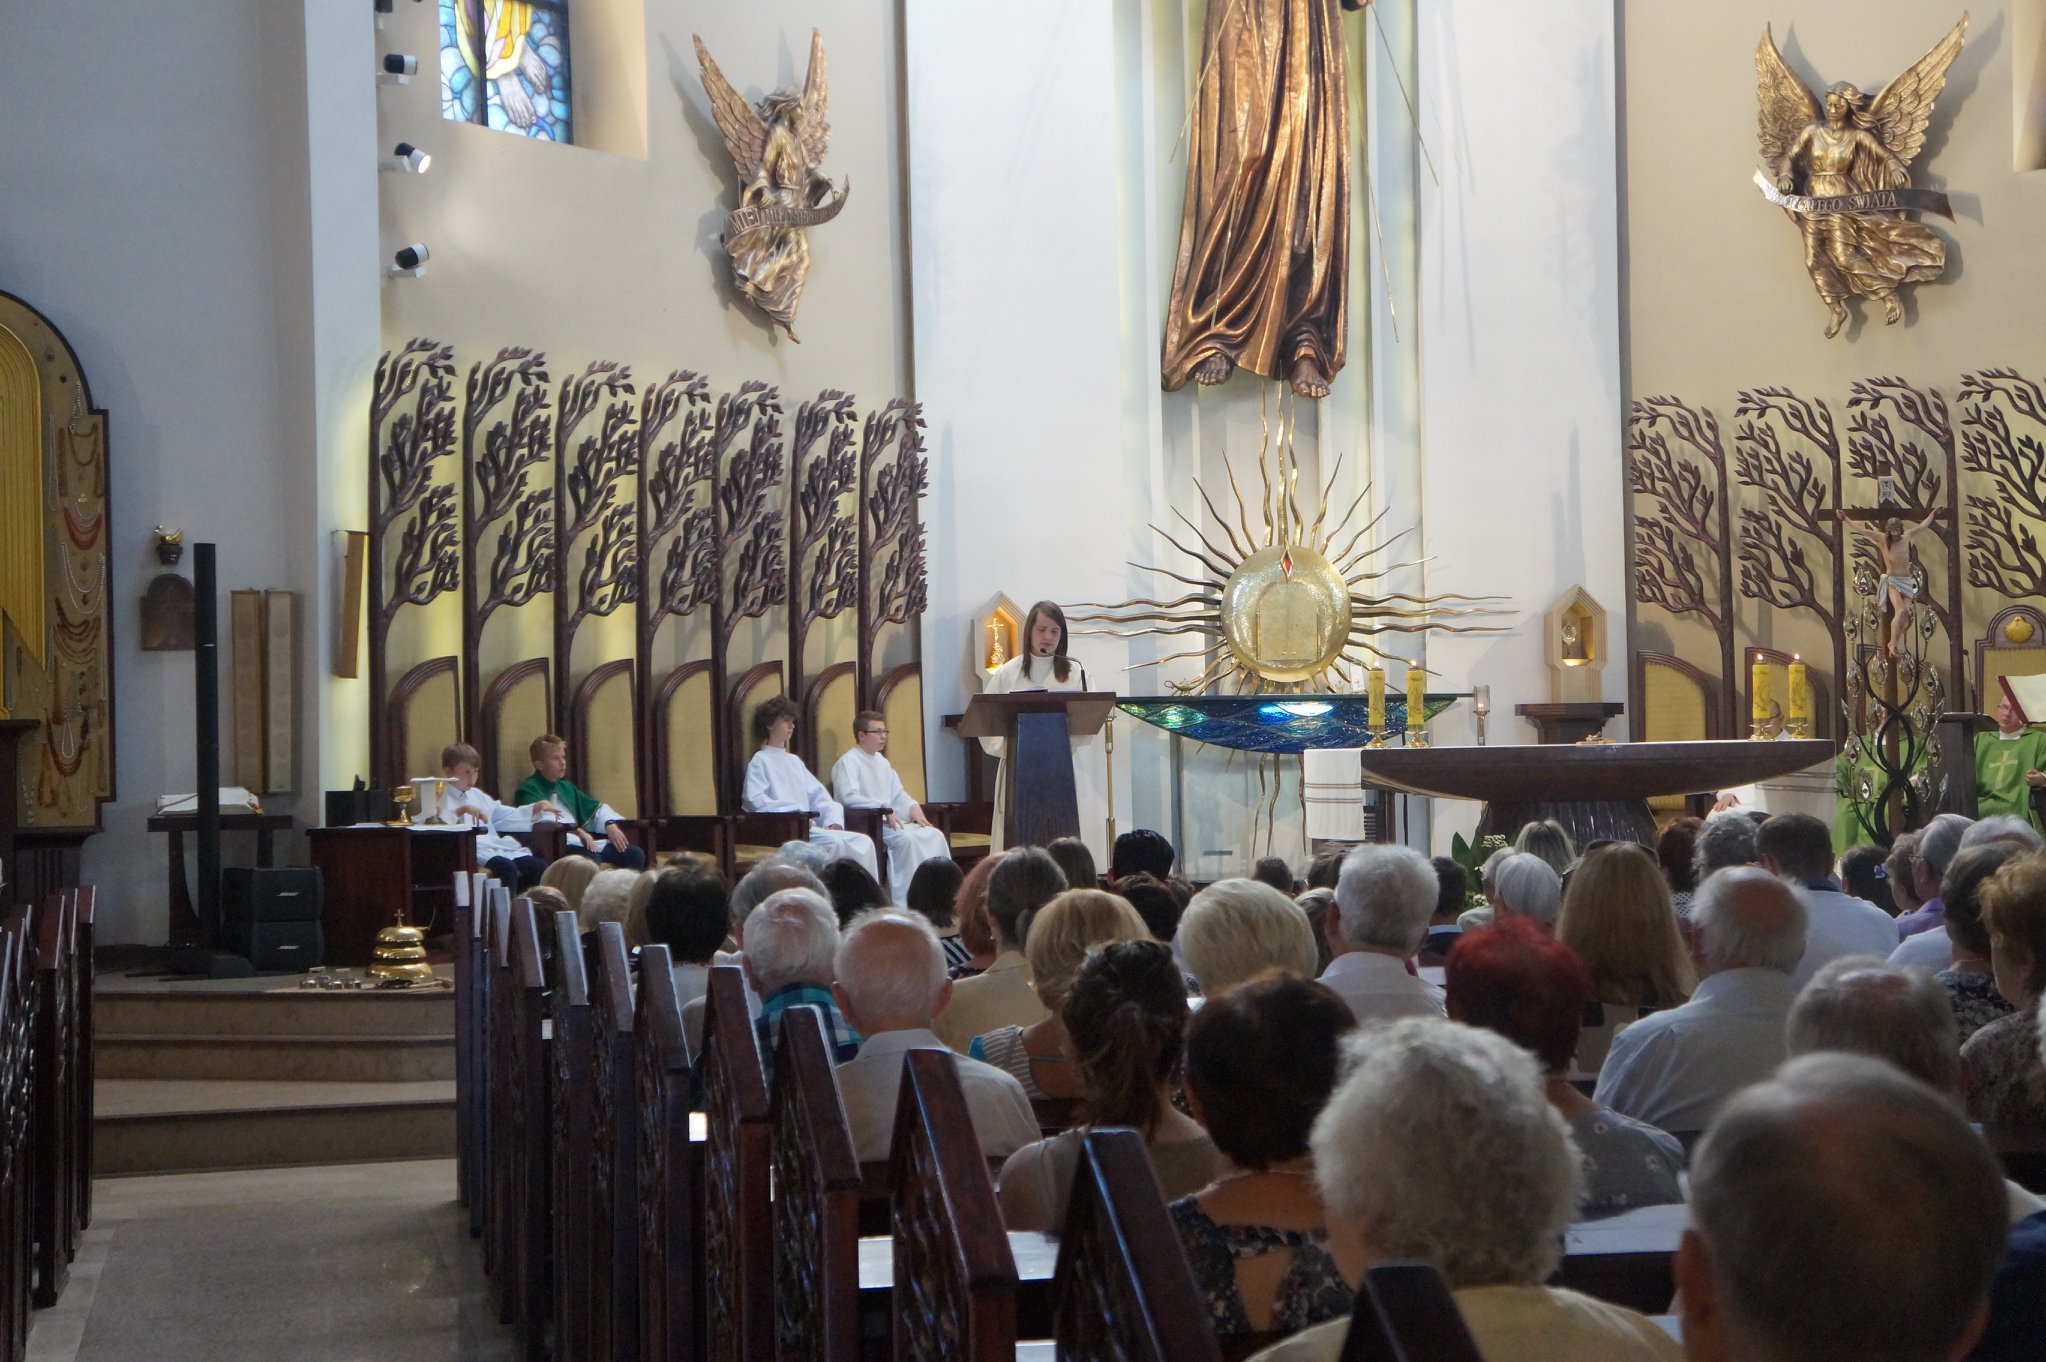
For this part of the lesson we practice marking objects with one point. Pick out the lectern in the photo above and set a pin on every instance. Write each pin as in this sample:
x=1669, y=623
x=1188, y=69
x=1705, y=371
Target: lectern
x=1037, y=771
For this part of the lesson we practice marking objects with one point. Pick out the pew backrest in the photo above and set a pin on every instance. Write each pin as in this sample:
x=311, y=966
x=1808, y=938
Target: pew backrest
x=670, y=1247
x=532, y=1108
x=614, y=1150
x=572, y=1056
x=737, y=1258
x=1405, y=1313
x=816, y=1200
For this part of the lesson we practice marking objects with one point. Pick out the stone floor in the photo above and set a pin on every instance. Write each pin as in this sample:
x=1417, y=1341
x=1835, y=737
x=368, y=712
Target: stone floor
x=346, y=1263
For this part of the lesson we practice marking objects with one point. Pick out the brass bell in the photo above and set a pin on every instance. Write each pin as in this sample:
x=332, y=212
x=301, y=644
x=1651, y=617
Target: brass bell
x=401, y=955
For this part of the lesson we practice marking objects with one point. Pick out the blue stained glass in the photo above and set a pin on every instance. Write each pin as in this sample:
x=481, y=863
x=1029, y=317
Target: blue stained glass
x=505, y=64
x=1252, y=723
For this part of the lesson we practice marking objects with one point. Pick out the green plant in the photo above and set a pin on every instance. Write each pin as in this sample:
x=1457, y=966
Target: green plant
x=1472, y=859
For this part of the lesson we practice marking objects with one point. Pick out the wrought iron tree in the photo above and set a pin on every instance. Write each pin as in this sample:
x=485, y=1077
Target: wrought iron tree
x=1676, y=459
x=891, y=534
x=823, y=538
x=1889, y=773
x=675, y=466
x=586, y=484
x=748, y=565
x=404, y=446
x=2004, y=555
x=496, y=492
x=1800, y=505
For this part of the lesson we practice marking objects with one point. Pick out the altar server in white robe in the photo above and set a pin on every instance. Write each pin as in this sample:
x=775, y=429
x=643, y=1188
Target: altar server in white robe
x=461, y=803
x=778, y=782
x=865, y=779
x=1042, y=665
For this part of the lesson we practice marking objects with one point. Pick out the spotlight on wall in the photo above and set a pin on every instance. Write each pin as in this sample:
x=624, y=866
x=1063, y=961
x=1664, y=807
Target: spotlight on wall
x=383, y=11
x=397, y=68
x=409, y=262
x=405, y=156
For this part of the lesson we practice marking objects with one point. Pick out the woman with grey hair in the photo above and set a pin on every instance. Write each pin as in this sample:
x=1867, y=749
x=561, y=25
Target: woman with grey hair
x=1440, y=1145
x=1529, y=887
x=1236, y=929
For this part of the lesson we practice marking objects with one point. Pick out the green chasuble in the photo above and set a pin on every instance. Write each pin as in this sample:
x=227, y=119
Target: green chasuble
x=580, y=806
x=2000, y=767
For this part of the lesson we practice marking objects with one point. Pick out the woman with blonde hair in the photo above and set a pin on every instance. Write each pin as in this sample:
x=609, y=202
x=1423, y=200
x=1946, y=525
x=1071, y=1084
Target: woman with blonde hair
x=1061, y=934
x=570, y=876
x=1618, y=917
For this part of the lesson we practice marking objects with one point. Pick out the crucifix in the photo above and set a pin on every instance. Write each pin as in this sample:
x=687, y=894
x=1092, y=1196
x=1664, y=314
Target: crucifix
x=1890, y=526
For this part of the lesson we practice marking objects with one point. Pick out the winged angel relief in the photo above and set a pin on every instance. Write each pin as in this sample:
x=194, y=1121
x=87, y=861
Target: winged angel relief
x=1844, y=176
x=776, y=147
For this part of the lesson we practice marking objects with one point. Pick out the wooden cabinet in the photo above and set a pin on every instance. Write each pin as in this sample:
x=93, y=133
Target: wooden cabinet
x=371, y=873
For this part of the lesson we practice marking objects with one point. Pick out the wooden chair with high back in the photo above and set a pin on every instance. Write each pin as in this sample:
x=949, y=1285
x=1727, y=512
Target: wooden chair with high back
x=56, y=999
x=573, y=1059
x=614, y=1155
x=738, y=1261
x=530, y=1188
x=954, y=1294
x=816, y=1199
x=1673, y=701
x=670, y=1246
x=2014, y=644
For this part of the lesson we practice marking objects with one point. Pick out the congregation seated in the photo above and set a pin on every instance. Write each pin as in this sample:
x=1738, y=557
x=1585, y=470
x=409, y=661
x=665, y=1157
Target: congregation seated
x=595, y=828
x=1676, y=850
x=790, y=952
x=1025, y=880
x=1726, y=840
x=778, y=782
x=1126, y=1016
x=1075, y=862
x=1274, y=871
x=1140, y=851
x=497, y=851
x=607, y=898
x=1439, y=1145
x=1546, y=841
x=1862, y=874
x=1531, y=988
x=1900, y=871
x=2016, y=1328
x=1525, y=885
x=1934, y=949
x=2002, y=1078
x=1799, y=848
x=636, y=900
x=1839, y=1210
x=1619, y=919
x=1452, y=896
x=863, y=778
x=1317, y=904
x=890, y=985
x=2002, y=828
x=1938, y=842
x=690, y=912
x=1383, y=902
x=934, y=894
x=569, y=877
x=1674, y=1069
x=1549, y=842
x=755, y=887
x=1326, y=867
x=1236, y=929
x=851, y=889
x=1038, y=1055
x=976, y=929
x=1863, y=1005
x=1970, y=979
x=1157, y=901
x=1260, y=1064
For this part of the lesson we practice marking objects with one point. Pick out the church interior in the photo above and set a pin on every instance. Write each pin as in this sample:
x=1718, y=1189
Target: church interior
x=481, y=480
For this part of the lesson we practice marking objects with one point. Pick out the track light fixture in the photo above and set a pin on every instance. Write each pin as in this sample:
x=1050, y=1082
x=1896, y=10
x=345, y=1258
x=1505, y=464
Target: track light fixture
x=409, y=261
x=405, y=156
x=397, y=68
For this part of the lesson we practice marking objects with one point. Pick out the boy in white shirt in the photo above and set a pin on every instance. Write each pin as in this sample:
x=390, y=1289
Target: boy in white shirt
x=461, y=802
x=864, y=779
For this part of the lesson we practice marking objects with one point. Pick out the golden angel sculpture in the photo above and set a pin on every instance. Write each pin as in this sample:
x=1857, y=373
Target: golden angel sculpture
x=776, y=148
x=1844, y=176
x=1264, y=239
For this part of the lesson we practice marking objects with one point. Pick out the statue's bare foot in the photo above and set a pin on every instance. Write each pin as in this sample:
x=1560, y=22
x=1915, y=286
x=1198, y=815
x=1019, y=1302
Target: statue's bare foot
x=1308, y=379
x=1215, y=369
x=1893, y=311
x=1839, y=320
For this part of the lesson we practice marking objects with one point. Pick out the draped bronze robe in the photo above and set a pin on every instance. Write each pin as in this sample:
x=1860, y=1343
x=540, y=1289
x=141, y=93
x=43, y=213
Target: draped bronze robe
x=1264, y=237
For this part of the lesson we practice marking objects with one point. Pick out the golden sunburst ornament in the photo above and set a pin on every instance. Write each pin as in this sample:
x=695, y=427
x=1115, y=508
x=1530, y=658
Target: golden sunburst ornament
x=1285, y=606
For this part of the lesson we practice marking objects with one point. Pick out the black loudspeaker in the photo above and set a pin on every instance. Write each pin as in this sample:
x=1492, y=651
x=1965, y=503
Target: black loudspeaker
x=272, y=916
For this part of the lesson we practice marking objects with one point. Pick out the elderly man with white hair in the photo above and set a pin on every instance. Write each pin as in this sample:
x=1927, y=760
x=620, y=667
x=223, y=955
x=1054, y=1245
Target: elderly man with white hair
x=1675, y=1069
x=1384, y=900
x=891, y=984
x=1439, y=1144
x=790, y=954
x=1841, y=1210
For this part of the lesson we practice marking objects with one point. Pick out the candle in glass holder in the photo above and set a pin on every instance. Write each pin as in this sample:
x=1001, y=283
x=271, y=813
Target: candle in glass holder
x=1758, y=687
x=1800, y=708
x=1376, y=691
x=1417, y=700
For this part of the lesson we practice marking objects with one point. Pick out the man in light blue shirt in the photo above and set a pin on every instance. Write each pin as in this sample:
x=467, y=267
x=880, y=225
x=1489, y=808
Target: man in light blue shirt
x=1675, y=1069
x=1799, y=847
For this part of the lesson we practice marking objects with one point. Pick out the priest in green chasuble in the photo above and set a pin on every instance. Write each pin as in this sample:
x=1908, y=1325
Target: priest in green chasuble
x=2008, y=762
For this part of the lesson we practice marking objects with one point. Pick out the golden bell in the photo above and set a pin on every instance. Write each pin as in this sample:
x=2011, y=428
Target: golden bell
x=401, y=954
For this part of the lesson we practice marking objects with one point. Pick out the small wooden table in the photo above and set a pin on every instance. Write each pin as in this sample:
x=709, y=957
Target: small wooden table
x=373, y=873
x=184, y=918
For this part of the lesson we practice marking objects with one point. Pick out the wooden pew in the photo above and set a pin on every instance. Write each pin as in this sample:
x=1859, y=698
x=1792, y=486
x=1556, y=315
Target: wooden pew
x=572, y=1057
x=52, y=1099
x=737, y=1258
x=84, y=941
x=479, y=1007
x=1124, y=1289
x=816, y=1199
x=500, y=1232
x=531, y=1182
x=614, y=1155
x=1626, y=1258
x=670, y=1210
x=1405, y=1313
x=954, y=1280
x=2022, y=1150
x=468, y=1126
x=17, y=1080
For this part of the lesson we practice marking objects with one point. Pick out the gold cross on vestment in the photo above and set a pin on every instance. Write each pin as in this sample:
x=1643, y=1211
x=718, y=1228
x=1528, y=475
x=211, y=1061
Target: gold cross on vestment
x=1999, y=767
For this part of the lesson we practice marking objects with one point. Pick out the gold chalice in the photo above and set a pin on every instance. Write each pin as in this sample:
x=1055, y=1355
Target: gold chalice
x=402, y=797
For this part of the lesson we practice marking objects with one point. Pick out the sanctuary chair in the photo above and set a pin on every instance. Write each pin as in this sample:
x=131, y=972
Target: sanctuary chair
x=529, y=1207
x=500, y=1022
x=1406, y=1313
x=56, y=998
x=614, y=1154
x=734, y=839
x=518, y=700
x=670, y=1164
x=422, y=712
x=968, y=826
x=738, y=1263
x=573, y=1059
x=2013, y=645
x=816, y=1200
x=1673, y=701
x=1123, y=1290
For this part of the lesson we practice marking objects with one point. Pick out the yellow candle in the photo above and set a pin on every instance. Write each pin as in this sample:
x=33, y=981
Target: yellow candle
x=1376, y=714
x=1800, y=691
x=1758, y=686
x=1417, y=706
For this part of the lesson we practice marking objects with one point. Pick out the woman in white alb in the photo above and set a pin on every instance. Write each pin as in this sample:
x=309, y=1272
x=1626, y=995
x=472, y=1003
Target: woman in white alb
x=778, y=782
x=1042, y=665
x=864, y=779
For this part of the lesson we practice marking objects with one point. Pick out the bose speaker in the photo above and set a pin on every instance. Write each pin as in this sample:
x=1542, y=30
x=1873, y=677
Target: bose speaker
x=271, y=916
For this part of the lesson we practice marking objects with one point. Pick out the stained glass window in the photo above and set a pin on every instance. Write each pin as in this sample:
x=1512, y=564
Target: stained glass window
x=504, y=64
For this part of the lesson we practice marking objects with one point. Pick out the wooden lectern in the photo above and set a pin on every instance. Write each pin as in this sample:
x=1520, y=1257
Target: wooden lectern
x=1037, y=772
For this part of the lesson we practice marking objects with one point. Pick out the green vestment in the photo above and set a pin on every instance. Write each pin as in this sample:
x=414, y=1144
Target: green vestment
x=2000, y=766
x=580, y=806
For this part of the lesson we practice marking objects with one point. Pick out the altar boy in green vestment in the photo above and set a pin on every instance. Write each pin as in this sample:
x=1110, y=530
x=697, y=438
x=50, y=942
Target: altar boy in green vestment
x=2008, y=762
x=599, y=827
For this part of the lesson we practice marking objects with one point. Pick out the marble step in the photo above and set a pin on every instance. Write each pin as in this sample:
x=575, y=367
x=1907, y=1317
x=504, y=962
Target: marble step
x=280, y=1011
x=157, y=1126
x=342, y=1058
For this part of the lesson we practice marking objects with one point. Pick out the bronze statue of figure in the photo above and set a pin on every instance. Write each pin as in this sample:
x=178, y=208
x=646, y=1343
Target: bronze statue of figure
x=776, y=148
x=1264, y=237
x=1850, y=167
